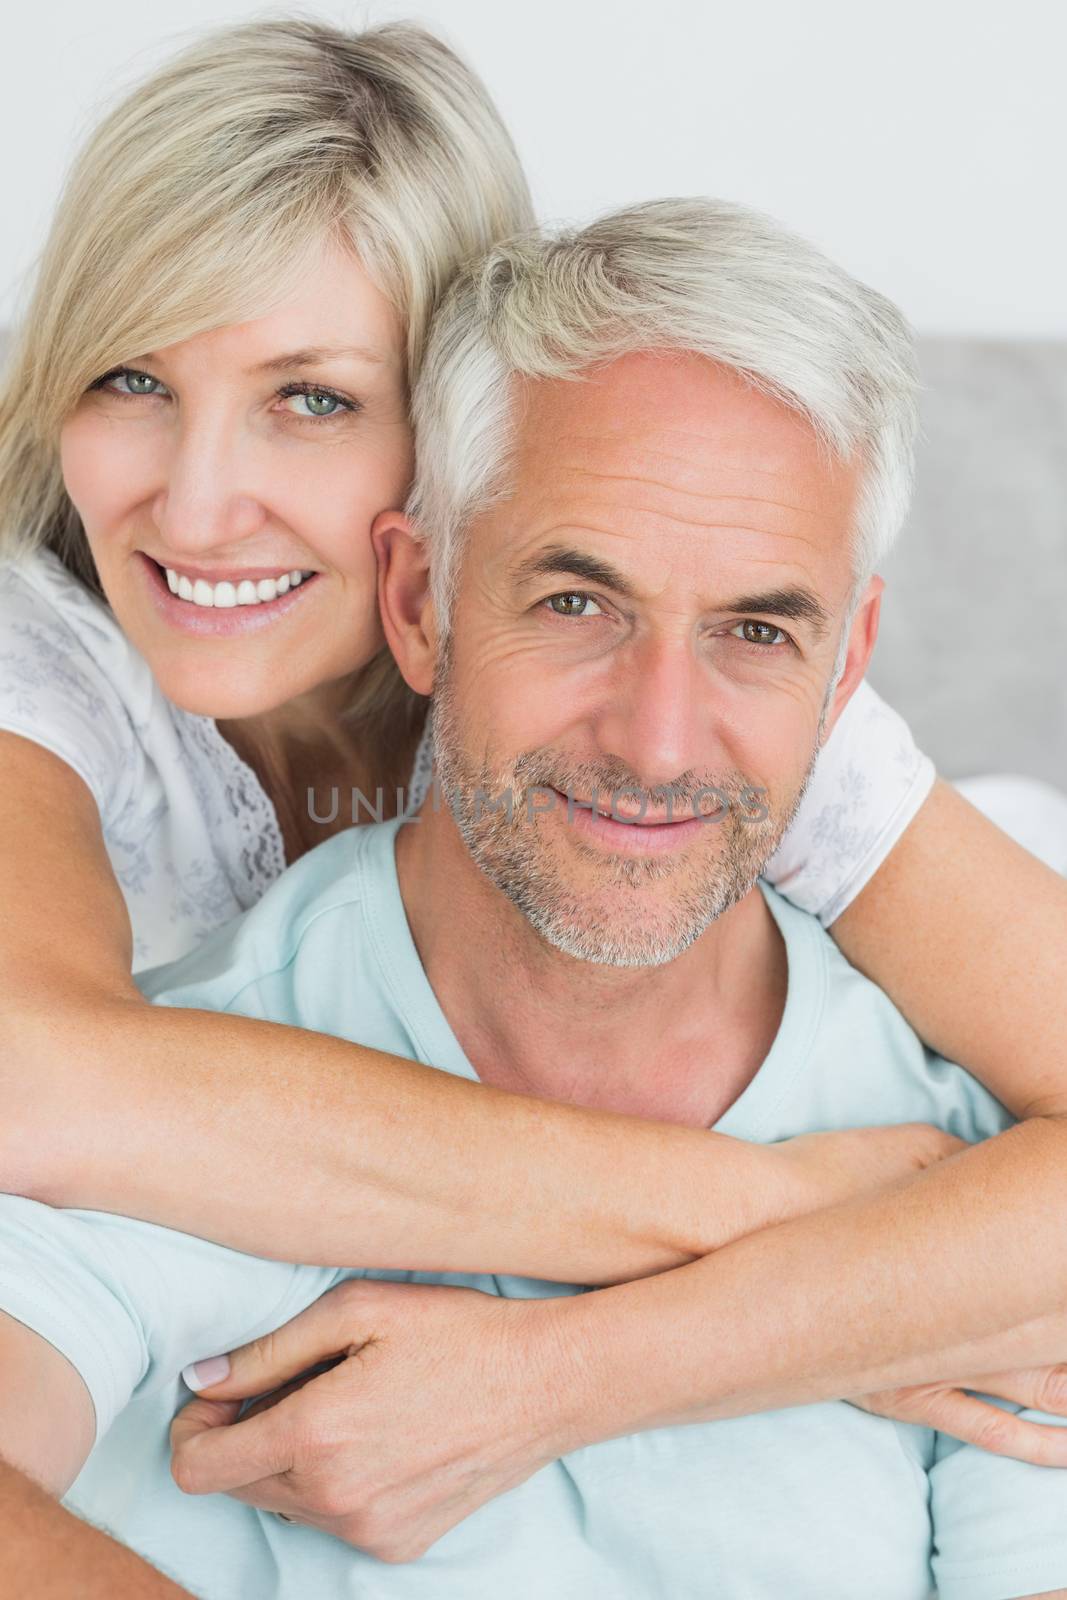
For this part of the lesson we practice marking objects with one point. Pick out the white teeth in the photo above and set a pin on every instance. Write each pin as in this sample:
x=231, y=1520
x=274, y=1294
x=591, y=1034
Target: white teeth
x=225, y=594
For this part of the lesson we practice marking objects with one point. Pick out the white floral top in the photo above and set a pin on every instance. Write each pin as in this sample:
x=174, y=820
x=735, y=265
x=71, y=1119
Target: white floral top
x=194, y=839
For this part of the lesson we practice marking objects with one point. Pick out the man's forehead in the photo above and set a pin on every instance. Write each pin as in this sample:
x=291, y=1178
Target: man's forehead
x=672, y=401
x=647, y=458
x=664, y=427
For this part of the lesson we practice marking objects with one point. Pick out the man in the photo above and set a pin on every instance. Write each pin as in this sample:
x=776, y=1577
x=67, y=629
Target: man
x=658, y=463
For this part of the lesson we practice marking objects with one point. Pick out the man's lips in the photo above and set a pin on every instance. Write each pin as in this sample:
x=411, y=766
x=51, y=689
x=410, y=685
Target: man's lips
x=631, y=818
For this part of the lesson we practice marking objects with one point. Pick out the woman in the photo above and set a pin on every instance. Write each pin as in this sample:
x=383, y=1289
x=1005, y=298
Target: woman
x=204, y=413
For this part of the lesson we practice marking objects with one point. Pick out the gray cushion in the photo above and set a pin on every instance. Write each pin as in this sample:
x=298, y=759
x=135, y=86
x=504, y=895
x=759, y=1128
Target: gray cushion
x=973, y=643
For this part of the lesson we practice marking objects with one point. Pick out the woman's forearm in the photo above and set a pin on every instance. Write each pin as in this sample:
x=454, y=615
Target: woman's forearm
x=298, y=1146
x=967, y=933
x=960, y=1271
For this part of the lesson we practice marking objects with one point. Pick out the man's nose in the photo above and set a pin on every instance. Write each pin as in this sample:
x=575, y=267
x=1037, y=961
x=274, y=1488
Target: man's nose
x=658, y=717
x=208, y=498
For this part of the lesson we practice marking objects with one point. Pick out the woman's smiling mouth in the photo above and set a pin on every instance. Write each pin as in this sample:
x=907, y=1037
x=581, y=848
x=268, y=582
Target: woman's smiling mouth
x=238, y=590
x=224, y=601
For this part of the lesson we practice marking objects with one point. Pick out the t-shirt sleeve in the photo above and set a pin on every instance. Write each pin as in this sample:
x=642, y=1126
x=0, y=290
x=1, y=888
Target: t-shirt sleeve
x=1000, y=1526
x=869, y=781
x=129, y=1304
x=53, y=692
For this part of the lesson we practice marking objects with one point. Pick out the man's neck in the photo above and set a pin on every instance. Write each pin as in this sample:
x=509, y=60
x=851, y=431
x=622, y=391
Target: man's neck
x=677, y=1042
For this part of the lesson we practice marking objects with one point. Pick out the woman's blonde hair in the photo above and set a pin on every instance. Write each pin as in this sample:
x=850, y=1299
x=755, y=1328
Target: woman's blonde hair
x=196, y=202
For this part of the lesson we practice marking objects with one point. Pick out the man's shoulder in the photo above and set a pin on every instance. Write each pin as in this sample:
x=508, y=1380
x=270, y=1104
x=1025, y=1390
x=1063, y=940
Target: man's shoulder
x=321, y=894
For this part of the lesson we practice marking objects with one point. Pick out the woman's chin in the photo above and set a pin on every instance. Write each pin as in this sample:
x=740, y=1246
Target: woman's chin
x=230, y=701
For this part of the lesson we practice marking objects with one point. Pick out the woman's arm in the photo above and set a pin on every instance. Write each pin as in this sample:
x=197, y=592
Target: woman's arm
x=967, y=933
x=954, y=1274
x=200, y=1121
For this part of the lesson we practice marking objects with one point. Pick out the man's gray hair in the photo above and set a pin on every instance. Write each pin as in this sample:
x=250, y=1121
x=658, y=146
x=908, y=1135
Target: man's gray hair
x=702, y=276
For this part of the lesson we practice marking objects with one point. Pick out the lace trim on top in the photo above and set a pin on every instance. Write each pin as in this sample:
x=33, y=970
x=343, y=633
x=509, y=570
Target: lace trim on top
x=421, y=768
x=260, y=853
x=260, y=848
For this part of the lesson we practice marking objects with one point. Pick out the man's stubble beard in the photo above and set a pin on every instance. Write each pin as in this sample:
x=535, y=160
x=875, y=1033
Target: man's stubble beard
x=514, y=857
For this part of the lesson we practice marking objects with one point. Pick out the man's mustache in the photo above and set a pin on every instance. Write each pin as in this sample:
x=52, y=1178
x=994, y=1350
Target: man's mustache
x=615, y=792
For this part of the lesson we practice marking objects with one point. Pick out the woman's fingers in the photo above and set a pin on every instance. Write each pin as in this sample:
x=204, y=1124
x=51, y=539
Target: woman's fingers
x=1036, y=1388
x=1000, y=1433
x=212, y=1453
x=979, y=1422
x=317, y=1335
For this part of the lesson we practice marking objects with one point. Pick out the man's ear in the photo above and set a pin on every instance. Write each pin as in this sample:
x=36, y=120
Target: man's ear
x=861, y=638
x=404, y=602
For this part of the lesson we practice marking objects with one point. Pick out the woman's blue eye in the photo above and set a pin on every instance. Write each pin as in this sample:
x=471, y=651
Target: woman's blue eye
x=135, y=382
x=572, y=604
x=319, y=403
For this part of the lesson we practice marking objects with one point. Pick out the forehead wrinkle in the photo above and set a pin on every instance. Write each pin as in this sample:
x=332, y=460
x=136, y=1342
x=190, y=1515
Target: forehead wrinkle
x=695, y=448
x=694, y=484
x=712, y=521
x=696, y=494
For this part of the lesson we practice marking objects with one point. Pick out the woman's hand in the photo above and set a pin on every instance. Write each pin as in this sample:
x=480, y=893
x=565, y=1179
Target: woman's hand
x=1037, y=1383
x=437, y=1400
x=950, y=1409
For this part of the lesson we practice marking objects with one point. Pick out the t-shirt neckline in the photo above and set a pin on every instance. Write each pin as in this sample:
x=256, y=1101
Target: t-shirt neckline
x=413, y=994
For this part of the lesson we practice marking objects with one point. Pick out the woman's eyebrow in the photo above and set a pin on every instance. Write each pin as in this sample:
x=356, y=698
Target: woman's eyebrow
x=315, y=355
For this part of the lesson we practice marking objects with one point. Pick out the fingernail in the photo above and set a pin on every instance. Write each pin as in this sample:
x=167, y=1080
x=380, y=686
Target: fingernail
x=202, y=1374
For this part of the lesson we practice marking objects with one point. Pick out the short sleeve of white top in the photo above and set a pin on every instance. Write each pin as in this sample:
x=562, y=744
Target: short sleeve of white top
x=193, y=838
x=868, y=782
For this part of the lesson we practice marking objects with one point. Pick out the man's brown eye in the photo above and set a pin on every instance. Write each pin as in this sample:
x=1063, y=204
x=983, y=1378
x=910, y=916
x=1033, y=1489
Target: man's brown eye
x=571, y=605
x=760, y=632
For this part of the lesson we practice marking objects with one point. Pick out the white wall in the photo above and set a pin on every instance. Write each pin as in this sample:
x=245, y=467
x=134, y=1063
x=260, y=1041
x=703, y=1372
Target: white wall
x=922, y=142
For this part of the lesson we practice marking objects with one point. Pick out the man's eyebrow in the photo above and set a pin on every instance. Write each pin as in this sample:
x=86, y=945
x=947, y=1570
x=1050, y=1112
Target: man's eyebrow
x=316, y=355
x=576, y=564
x=792, y=601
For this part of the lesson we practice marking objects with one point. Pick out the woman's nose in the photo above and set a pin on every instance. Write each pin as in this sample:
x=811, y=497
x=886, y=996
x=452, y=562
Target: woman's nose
x=207, y=499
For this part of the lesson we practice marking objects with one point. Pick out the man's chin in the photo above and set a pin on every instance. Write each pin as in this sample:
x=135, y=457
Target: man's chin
x=622, y=924
x=596, y=949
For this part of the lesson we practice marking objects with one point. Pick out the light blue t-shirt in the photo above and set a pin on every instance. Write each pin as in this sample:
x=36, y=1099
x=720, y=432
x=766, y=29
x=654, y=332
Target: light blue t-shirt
x=819, y=1502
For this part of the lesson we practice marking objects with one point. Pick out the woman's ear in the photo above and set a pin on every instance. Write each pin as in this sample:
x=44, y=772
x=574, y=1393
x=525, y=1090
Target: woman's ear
x=404, y=602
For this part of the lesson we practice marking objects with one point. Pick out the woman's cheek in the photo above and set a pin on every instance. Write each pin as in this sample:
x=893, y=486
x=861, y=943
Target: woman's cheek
x=106, y=473
x=86, y=467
